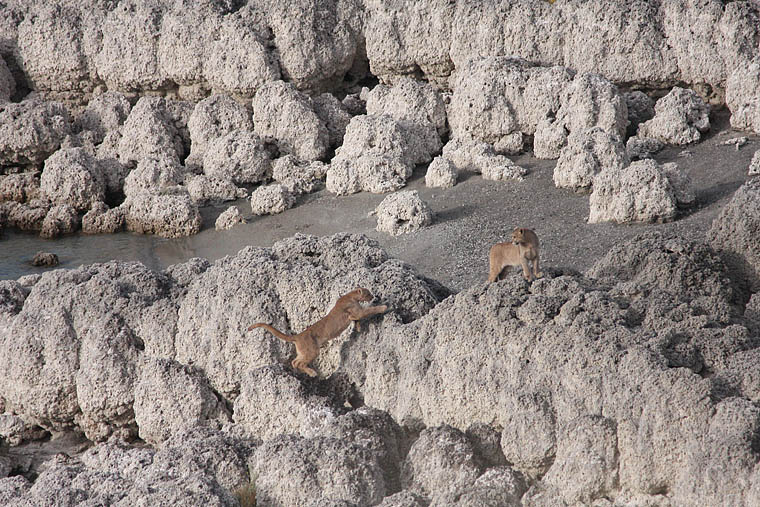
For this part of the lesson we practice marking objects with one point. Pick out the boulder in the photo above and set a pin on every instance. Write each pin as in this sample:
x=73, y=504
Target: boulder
x=214, y=117
x=239, y=156
x=481, y=158
x=498, y=487
x=7, y=83
x=170, y=215
x=72, y=176
x=640, y=109
x=271, y=199
x=734, y=232
x=154, y=175
x=441, y=173
x=754, y=166
x=229, y=219
x=150, y=132
x=586, y=154
x=26, y=217
x=333, y=114
x=742, y=96
x=30, y=131
x=100, y=219
x=297, y=177
x=285, y=115
x=681, y=117
x=20, y=187
x=61, y=219
x=644, y=191
x=208, y=189
x=104, y=113
x=403, y=212
x=45, y=259
x=639, y=148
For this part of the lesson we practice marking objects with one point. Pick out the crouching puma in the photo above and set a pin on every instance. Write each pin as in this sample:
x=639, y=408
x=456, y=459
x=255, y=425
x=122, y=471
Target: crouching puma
x=308, y=342
x=521, y=251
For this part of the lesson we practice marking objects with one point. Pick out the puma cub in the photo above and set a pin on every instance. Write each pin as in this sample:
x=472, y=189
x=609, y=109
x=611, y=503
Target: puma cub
x=521, y=251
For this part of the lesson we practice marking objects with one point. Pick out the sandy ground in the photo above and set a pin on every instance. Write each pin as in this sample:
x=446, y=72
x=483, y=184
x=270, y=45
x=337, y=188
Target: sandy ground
x=468, y=218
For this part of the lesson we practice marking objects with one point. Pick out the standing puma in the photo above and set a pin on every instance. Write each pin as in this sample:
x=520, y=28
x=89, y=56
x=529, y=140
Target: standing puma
x=346, y=310
x=520, y=252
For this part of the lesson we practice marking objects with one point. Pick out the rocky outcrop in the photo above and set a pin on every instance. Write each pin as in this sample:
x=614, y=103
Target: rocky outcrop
x=100, y=219
x=642, y=192
x=441, y=173
x=681, y=117
x=742, y=96
x=481, y=158
x=212, y=118
x=640, y=109
x=171, y=215
x=150, y=132
x=72, y=176
x=30, y=131
x=239, y=156
x=61, y=219
x=207, y=189
x=734, y=232
x=299, y=178
x=103, y=114
x=229, y=219
x=402, y=213
x=271, y=199
x=587, y=154
x=21, y=187
x=153, y=175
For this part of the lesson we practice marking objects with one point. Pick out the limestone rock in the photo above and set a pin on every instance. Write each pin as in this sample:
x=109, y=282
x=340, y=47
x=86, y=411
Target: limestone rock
x=441, y=173
x=45, y=259
x=153, y=175
x=481, y=158
x=642, y=192
x=104, y=113
x=403, y=212
x=681, y=117
x=170, y=215
x=229, y=219
x=149, y=131
x=734, y=232
x=285, y=115
x=441, y=460
x=322, y=467
x=586, y=154
x=214, y=117
x=61, y=219
x=208, y=189
x=170, y=397
x=72, y=176
x=271, y=199
x=239, y=156
x=299, y=178
x=742, y=96
x=19, y=187
x=30, y=131
x=100, y=219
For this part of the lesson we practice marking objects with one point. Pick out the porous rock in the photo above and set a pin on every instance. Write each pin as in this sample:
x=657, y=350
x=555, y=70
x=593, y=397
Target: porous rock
x=271, y=199
x=642, y=192
x=208, y=189
x=104, y=113
x=30, y=131
x=481, y=158
x=735, y=232
x=25, y=216
x=681, y=117
x=377, y=156
x=285, y=115
x=403, y=212
x=170, y=215
x=298, y=178
x=239, y=156
x=498, y=487
x=149, y=131
x=7, y=83
x=322, y=467
x=153, y=175
x=588, y=101
x=214, y=117
x=639, y=148
x=333, y=114
x=61, y=219
x=404, y=498
x=441, y=460
x=45, y=259
x=229, y=219
x=742, y=96
x=100, y=219
x=754, y=166
x=72, y=176
x=170, y=397
x=20, y=187
x=441, y=173
x=586, y=154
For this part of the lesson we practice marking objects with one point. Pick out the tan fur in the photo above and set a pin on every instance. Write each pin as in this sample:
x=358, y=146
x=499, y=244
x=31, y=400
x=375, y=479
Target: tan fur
x=522, y=251
x=308, y=342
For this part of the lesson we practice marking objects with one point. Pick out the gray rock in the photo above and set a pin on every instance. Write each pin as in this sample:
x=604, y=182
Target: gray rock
x=586, y=154
x=441, y=173
x=239, y=156
x=229, y=219
x=734, y=232
x=7, y=83
x=102, y=220
x=170, y=397
x=27, y=217
x=104, y=113
x=154, y=175
x=299, y=178
x=208, y=189
x=403, y=212
x=271, y=199
x=440, y=461
x=681, y=117
x=497, y=487
x=19, y=187
x=409, y=100
x=333, y=114
x=754, y=166
x=639, y=148
x=149, y=132
x=214, y=117
x=30, y=131
x=529, y=438
x=61, y=219
x=13, y=488
x=642, y=192
x=72, y=176
x=322, y=467
x=487, y=444
x=640, y=109
x=45, y=259
x=285, y=115
x=481, y=158
x=170, y=215
x=742, y=96
x=404, y=498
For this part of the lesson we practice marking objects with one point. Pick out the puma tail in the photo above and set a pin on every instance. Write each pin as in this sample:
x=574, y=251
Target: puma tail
x=278, y=334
